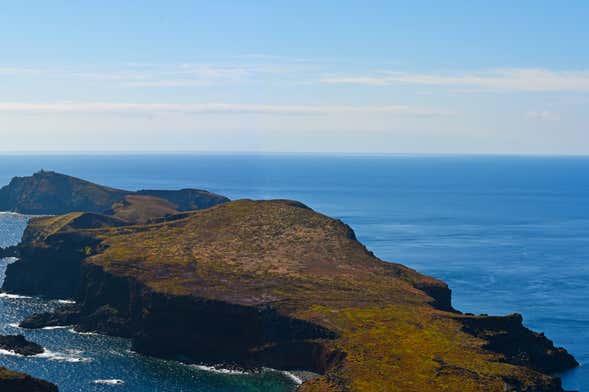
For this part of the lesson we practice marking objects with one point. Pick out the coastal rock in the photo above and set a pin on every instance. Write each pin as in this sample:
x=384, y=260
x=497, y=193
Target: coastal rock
x=11, y=381
x=518, y=344
x=10, y=251
x=62, y=316
x=20, y=345
x=275, y=284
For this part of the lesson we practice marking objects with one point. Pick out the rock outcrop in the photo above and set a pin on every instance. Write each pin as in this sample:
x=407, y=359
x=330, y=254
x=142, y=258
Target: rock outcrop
x=11, y=381
x=10, y=251
x=273, y=283
x=20, y=345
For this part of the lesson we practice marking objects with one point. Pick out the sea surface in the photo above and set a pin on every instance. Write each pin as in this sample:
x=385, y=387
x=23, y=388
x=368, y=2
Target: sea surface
x=508, y=234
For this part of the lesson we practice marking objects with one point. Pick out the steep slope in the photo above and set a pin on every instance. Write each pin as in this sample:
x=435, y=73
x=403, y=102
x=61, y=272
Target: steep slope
x=273, y=283
x=50, y=193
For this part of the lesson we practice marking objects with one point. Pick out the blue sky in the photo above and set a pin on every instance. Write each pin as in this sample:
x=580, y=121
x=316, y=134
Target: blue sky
x=328, y=76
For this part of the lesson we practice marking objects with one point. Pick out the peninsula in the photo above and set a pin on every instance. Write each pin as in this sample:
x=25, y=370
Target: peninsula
x=260, y=283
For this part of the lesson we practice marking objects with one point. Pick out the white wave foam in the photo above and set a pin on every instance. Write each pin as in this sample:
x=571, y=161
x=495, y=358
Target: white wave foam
x=13, y=296
x=72, y=356
x=14, y=214
x=69, y=356
x=114, y=381
x=213, y=369
x=10, y=353
x=82, y=333
x=65, y=301
x=293, y=377
x=56, y=327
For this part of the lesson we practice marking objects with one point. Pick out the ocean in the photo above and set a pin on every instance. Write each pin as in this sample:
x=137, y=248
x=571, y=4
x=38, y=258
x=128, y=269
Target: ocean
x=508, y=234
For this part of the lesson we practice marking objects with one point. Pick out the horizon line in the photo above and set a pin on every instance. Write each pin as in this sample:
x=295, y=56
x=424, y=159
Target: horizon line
x=259, y=153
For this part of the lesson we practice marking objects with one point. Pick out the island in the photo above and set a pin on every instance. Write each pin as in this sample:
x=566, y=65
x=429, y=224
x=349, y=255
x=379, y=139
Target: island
x=269, y=283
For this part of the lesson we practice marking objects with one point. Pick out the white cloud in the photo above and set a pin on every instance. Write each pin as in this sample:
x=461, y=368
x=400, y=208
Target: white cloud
x=543, y=115
x=522, y=79
x=224, y=108
x=163, y=75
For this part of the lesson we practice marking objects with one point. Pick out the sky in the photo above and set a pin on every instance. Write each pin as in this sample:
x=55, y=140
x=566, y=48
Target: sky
x=431, y=77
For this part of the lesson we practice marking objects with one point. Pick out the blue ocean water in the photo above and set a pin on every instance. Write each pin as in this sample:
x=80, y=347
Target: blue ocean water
x=508, y=234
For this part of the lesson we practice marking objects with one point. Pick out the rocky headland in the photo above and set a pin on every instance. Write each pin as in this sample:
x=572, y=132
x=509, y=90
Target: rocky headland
x=276, y=284
x=51, y=193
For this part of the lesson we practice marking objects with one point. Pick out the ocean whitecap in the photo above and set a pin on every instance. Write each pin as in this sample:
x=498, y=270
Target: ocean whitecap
x=114, y=381
x=220, y=370
x=82, y=333
x=10, y=353
x=13, y=296
x=297, y=380
x=55, y=327
x=72, y=356
x=65, y=301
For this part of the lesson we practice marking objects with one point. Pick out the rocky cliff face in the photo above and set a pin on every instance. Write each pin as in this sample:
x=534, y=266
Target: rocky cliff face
x=52, y=270
x=276, y=284
x=18, y=382
x=518, y=344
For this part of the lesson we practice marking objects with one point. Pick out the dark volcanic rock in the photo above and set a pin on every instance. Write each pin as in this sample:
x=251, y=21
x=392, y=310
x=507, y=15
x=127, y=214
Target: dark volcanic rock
x=11, y=381
x=51, y=271
x=520, y=346
x=11, y=251
x=19, y=345
x=65, y=315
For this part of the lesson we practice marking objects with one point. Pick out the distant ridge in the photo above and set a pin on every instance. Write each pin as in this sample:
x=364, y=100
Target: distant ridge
x=51, y=193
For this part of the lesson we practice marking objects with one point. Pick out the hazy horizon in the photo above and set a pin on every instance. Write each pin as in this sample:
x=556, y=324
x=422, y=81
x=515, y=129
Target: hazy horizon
x=329, y=77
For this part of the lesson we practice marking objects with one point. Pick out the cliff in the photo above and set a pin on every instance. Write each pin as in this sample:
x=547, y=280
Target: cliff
x=274, y=283
x=19, y=382
x=50, y=193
